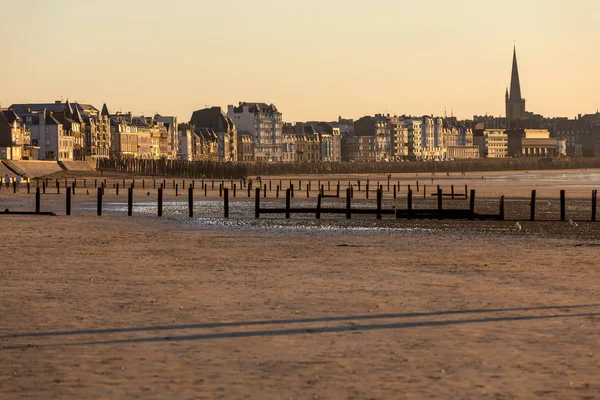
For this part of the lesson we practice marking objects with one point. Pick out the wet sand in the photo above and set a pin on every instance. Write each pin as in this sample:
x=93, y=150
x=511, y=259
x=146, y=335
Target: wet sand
x=142, y=307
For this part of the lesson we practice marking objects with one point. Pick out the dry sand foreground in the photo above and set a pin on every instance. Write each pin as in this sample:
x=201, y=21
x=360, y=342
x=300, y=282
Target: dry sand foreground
x=113, y=307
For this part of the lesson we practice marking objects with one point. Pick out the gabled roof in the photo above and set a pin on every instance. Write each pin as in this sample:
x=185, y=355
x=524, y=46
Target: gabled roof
x=105, y=111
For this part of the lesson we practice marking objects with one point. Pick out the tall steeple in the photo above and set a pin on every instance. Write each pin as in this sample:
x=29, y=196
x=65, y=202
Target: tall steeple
x=515, y=84
x=515, y=104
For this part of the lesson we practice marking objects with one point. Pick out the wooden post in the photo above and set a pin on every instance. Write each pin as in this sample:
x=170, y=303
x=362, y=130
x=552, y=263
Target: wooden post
x=226, y=203
x=100, y=192
x=502, y=208
x=212, y=182
x=277, y=191
x=191, y=201
x=300, y=185
x=85, y=183
x=249, y=189
x=466, y=189
x=160, y=202
x=177, y=190
x=439, y=201
x=328, y=186
x=452, y=189
x=206, y=190
x=367, y=191
x=265, y=191
x=57, y=187
x=379, y=196
x=117, y=188
x=37, y=199
x=348, y=204
x=43, y=187
x=74, y=185
x=287, y=202
x=154, y=183
x=234, y=189
x=594, y=203
x=424, y=191
x=256, y=202
x=269, y=184
x=352, y=192
x=532, y=213
x=562, y=205
x=130, y=202
x=68, y=201
x=472, y=205
x=318, y=215
x=292, y=189
x=220, y=190
x=307, y=191
x=409, y=202
x=394, y=192
x=358, y=185
x=143, y=184
x=417, y=186
x=28, y=188
x=337, y=192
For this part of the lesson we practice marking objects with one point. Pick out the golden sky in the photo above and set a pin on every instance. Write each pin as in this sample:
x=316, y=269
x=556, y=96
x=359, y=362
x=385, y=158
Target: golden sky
x=314, y=59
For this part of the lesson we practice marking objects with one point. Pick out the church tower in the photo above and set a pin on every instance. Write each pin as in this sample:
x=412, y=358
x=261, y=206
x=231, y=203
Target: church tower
x=515, y=104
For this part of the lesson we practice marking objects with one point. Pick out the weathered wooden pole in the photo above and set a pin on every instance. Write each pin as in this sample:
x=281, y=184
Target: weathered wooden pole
x=292, y=189
x=277, y=191
x=57, y=187
x=594, y=204
x=130, y=201
x=74, y=186
x=28, y=188
x=226, y=203
x=328, y=185
x=348, y=204
x=562, y=205
x=532, y=205
x=439, y=201
x=256, y=202
x=220, y=190
x=318, y=214
x=68, y=205
x=409, y=202
x=234, y=189
x=160, y=202
x=395, y=192
x=288, y=195
x=417, y=186
x=452, y=191
x=472, y=205
x=367, y=190
x=502, y=208
x=37, y=199
x=177, y=190
x=117, y=188
x=379, y=196
x=99, y=205
x=191, y=201
x=337, y=192
x=85, y=183
x=265, y=191
x=43, y=187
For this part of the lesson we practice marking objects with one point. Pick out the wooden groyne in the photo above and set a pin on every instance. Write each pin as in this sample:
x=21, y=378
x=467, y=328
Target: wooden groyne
x=237, y=170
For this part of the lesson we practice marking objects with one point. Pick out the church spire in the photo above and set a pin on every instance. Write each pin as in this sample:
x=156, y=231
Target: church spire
x=515, y=84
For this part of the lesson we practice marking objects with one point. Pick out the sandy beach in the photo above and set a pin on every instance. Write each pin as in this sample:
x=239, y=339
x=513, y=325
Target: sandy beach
x=143, y=307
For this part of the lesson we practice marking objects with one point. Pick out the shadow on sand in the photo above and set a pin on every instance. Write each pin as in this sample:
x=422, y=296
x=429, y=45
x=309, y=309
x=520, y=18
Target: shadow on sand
x=309, y=330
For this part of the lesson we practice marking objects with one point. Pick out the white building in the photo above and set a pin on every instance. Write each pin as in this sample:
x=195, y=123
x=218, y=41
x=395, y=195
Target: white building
x=184, y=143
x=264, y=123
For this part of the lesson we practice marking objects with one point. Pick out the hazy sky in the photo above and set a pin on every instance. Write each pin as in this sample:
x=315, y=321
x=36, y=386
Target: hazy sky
x=314, y=59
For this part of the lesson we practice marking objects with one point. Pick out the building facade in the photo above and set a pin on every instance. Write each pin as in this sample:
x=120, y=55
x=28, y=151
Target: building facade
x=264, y=122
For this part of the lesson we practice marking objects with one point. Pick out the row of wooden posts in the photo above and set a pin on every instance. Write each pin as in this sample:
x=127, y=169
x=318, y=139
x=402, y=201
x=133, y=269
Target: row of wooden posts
x=408, y=213
x=395, y=188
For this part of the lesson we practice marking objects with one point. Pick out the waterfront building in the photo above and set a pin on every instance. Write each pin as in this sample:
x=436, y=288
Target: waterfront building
x=213, y=118
x=264, y=123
